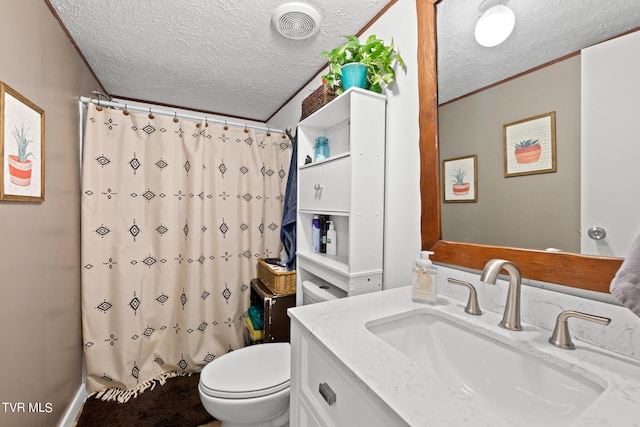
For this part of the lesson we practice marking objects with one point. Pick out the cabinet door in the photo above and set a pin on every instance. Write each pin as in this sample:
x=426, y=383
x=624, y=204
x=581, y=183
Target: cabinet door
x=331, y=398
x=325, y=186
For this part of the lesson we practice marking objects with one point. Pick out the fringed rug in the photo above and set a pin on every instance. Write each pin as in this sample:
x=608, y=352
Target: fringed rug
x=173, y=404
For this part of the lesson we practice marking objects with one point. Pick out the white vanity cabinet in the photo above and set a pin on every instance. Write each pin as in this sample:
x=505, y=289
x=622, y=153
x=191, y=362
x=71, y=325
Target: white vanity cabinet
x=325, y=393
x=348, y=186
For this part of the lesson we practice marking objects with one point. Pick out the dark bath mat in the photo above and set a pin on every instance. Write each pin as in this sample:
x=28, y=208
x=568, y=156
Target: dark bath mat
x=174, y=404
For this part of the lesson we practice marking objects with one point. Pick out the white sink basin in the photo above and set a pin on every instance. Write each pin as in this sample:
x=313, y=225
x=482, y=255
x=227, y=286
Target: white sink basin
x=520, y=385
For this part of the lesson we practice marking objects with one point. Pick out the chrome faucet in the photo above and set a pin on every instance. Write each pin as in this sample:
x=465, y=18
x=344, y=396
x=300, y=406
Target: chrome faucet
x=511, y=317
x=561, y=338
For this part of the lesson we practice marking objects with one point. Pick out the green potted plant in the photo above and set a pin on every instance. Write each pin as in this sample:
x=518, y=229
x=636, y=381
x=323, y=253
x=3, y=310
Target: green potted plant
x=377, y=62
x=20, y=165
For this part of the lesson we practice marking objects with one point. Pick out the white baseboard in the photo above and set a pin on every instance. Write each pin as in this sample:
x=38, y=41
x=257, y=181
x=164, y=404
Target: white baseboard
x=75, y=407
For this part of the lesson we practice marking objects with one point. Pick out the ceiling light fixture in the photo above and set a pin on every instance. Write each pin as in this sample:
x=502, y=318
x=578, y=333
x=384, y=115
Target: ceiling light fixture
x=495, y=25
x=296, y=20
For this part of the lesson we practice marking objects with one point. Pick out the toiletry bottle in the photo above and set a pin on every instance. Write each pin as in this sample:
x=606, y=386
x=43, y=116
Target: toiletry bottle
x=423, y=287
x=324, y=219
x=315, y=234
x=332, y=240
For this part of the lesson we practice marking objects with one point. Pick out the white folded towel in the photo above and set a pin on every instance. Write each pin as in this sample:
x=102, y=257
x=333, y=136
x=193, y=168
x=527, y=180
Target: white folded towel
x=625, y=286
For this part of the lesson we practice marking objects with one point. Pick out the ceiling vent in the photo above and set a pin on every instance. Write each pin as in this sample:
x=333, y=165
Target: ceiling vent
x=296, y=20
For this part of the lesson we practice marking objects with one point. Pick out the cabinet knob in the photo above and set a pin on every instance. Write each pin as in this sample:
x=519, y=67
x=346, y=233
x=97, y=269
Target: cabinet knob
x=318, y=187
x=327, y=393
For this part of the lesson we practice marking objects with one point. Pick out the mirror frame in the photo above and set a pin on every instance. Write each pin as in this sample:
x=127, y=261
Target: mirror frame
x=588, y=272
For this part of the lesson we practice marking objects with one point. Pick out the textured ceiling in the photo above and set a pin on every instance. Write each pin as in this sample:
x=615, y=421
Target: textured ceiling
x=220, y=56
x=545, y=30
x=225, y=57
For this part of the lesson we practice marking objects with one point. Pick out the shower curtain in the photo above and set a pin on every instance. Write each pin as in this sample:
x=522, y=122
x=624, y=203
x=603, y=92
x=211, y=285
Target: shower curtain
x=175, y=214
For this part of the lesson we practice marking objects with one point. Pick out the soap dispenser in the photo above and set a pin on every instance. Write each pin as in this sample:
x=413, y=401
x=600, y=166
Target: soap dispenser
x=424, y=284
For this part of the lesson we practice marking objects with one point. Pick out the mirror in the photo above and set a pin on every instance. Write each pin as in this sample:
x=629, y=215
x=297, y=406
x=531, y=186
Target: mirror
x=540, y=210
x=579, y=271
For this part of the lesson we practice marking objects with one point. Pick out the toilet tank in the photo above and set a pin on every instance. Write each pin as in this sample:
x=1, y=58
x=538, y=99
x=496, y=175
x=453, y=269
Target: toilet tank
x=313, y=292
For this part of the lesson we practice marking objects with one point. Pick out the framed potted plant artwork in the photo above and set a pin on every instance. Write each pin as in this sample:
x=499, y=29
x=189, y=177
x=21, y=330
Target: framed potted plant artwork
x=21, y=147
x=460, y=179
x=530, y=145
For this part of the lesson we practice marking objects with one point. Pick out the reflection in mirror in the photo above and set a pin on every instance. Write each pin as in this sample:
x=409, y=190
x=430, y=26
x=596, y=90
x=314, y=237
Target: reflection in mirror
x=585, y=272
x=540, y=211
x=610, y=152
x=536, y=211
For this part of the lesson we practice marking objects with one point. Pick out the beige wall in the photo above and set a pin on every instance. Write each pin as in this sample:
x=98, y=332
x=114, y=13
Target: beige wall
x=41, y=358
x=534, y=211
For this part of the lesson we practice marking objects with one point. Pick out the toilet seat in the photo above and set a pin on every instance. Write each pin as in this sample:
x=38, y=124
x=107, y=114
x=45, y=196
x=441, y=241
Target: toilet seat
x=253, y=371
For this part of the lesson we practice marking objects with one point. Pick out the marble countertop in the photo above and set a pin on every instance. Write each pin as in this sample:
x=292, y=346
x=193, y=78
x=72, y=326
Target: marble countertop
x=415, y=392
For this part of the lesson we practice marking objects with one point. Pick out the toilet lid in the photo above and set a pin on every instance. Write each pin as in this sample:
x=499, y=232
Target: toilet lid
x=253, y=371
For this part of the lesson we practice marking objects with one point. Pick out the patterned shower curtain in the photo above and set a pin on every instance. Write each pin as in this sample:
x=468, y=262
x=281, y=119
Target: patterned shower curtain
x=175, y=214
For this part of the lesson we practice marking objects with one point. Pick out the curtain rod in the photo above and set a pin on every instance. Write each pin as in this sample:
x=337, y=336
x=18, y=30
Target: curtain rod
x=165, y=112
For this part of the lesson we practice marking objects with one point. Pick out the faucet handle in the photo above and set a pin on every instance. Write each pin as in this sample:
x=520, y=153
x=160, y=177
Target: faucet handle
x=472, y=304
x=561, y=337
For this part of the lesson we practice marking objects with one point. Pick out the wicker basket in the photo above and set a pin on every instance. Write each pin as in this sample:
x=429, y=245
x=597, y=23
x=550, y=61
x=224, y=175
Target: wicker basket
x=280, y=283
x=318, y=99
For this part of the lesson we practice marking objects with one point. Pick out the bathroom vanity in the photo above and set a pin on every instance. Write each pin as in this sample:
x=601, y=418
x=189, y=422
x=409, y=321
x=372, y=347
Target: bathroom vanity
x=379, y=360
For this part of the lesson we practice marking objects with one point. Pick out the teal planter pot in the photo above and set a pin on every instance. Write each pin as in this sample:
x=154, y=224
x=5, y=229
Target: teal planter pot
x=354, y=74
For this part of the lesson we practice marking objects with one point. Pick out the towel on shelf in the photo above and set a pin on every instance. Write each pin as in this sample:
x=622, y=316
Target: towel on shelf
x=288, y=229
x=256, y=316
x=254, y=334
x=625, y=286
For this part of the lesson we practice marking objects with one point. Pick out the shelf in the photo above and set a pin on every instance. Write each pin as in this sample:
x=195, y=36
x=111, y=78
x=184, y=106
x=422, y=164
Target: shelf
x=325, y=161
x=339, y=264
x=341, y=224
x=337, y=110
x=323, y=212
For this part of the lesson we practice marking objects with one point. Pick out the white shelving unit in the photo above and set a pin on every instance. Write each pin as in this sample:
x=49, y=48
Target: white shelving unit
x=349, y=187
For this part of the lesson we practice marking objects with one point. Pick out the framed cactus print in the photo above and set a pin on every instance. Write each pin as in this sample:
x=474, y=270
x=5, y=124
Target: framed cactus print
x=530, y=145
x=460, y=179
x=21, y=147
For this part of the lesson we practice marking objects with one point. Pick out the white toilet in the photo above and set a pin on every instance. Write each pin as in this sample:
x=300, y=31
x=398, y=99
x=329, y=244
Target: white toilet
x=249, y=387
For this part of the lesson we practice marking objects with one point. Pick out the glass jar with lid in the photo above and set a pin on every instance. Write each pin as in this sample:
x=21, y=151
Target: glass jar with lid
x=321, y=149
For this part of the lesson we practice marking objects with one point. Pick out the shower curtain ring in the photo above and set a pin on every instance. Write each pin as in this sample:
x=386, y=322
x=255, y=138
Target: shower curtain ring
x=225, y=125
x=99, y=108
x=151, y=116
x=268, y=132
x=246, y=130
x=125, y=111
x=175, y=117
x=206, y=122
